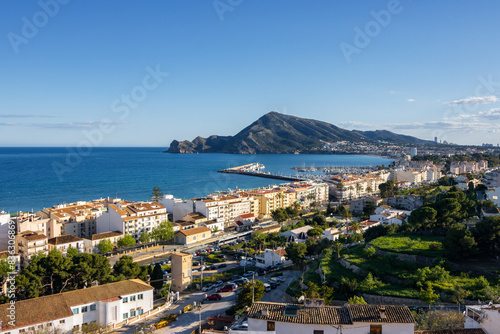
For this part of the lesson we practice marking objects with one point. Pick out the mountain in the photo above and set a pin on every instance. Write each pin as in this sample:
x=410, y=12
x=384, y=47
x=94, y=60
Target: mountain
x=279, y=133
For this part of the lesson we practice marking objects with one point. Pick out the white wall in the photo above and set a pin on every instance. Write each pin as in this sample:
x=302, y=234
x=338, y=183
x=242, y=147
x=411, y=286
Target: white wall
x=110, y=221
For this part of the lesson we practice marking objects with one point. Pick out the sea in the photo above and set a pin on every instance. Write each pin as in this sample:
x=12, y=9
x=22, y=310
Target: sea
x=34, y=178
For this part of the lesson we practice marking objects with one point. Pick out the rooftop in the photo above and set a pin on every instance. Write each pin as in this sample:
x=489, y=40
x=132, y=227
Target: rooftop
x=106, y=235
x=193, y=231
x=63, y=239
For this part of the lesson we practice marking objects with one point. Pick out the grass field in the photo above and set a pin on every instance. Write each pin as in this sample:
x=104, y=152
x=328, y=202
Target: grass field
x=410, y=244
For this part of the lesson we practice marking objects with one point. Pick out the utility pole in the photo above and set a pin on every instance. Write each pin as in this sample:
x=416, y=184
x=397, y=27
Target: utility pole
x=201, y=281
x=199, y=311
x=253, y=288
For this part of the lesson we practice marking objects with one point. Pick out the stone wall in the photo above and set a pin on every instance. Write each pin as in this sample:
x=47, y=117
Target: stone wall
x=355, y=269
x=418, y=259
x=388, y=300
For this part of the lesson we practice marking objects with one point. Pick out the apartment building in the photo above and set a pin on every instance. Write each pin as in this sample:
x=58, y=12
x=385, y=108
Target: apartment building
x=406, y=202
x=348, y=186
x=91, y=244
x=28, y=244
x=67, y=312
x=64, y=242
x=133, y=218
x=458, y=167
x=4, y=230
x=78, y=219
x=181, y=270
x=272, y=199
x=35, y=222
x=358, y=205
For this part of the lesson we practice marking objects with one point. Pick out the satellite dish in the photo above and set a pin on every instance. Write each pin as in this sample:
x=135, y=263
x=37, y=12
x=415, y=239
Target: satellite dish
x=301, y=299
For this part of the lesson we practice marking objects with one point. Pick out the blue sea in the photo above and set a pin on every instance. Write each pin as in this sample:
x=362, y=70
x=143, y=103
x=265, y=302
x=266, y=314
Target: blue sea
x=34, y=178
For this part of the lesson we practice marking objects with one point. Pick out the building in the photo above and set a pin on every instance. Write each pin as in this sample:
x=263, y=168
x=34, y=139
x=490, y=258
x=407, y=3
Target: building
x=63, y=243
x=316, y=318
x=105, y=305
x=486, y=317
x=192, y=235
x=358, y=205
x=132, y=218
x=272, y=199
x=494, y=195
x=30, y=243
x=195, y=217
x=4, y=230
x=181, y=271
x=348, y=186
x=26, y=221
x=486, y=212
x=270, y=258
x=298, y=234
x=214, y=226
x=459, y=167
x=92, y=243
x=413, y=152
x=406, y=202
x=331, y=234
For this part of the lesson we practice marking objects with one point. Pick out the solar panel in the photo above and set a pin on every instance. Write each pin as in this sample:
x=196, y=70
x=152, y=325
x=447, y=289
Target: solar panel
x=291, y=310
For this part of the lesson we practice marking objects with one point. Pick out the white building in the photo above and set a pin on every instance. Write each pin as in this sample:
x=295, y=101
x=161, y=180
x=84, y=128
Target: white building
x=131, y=218
x=4, y=229
x=298, y=234
x=494, y=195
x=486, y=317
x=413, y=152
x=92, y=243
x=331, y=234
x=29, y=244
x=63, y=243
x=270, y=258
x=106, y=305
x=319, y=319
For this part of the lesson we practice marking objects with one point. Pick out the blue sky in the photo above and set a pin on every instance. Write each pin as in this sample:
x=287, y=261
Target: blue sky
x=426, y=68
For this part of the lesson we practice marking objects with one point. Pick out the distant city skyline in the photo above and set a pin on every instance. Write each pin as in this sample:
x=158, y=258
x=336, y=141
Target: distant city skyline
x=142, y=74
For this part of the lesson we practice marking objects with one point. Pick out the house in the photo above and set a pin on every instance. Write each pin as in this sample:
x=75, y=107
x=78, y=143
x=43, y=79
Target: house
x=453, y=331
x=298, y=234
x=331, y=234
x=64, y=242
x=316, y=318
x=192, y=235
x=486, y=212
x=406, y=202
x=184, y=225
x=358, y=205
x=270, y=258
x=268, y=229
x=486, y=317
x=388, y=215
x=364, y=225
x=494, y=195
x=105, y=305
x=195, y=217
x=181, y=270
x=214, y=226
x=30, y=243
x=92, y=243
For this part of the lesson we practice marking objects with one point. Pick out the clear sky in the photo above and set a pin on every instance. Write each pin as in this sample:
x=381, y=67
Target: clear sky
x=142, y=73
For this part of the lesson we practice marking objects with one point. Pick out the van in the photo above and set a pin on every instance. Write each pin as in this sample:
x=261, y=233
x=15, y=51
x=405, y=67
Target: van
x=267, y=287
x=275, y=280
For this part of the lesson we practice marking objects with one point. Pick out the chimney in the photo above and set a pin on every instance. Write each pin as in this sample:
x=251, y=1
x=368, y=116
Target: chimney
x=382, y=312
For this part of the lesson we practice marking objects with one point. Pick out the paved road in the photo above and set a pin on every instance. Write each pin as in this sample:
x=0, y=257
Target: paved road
x=276, y=295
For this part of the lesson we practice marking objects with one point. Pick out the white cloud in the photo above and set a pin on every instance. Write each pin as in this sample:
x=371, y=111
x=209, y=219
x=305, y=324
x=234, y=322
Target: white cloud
x=490, y=115
x=393, y=92
x=77, y=125
x=474, y=100
x=411, y=100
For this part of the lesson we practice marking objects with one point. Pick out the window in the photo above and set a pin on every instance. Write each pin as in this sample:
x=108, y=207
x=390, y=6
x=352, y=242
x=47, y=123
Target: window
x=76, y=328
x=140, y=297
x=22, y=330
x=92, y=307
x=375, y=329
x=194, y=237
x=75, y=311
x=270, y=326
x=62, y=321
x=140, y=311
x=132, y=298
x=132, y=313
x=85, y=309
x=318, y=332
x=125, y=315
x=125, y=300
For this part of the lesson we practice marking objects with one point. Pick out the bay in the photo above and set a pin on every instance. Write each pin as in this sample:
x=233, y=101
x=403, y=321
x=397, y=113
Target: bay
x=34, y=178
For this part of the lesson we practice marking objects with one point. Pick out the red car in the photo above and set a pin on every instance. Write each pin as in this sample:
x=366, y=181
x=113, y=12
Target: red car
x=226, y=288
x=214, y=296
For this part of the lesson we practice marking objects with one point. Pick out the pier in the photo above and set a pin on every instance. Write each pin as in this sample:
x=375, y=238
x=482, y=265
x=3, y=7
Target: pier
x=254, y=169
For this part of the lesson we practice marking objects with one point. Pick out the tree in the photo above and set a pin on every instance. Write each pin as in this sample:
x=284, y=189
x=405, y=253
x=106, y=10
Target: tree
x=157, y=194
x=337, y=247
x=369, y=189
x=459, y=294
x=255, y=288
x=388, y=189
x=296, y=252
x=423, y=217
x=126, y=268
x=439, y=320
x=368, y=209
x=354, y=227
x=145, y=237
x=258, y=239
x=164, y=231
x=315, y=232
x=369, y=283
x=105, y=246
x=157, y=277
x=428, y=295
x=126, y=241
x=488, y=235
x=459, y=243
x=312, y=290
x=356, y=300
x=280, y=215
x=71, y=252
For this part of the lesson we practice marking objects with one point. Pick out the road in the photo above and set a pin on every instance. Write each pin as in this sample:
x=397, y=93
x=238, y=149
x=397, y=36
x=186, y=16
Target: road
x=276, y=295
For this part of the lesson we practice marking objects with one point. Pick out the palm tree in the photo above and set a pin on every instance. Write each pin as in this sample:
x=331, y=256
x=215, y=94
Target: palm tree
x=337, y=247
x=311, y=197
x=369, y=189
x=354, y=227
x=358, y=189
x=280, y=197
x=351, y=188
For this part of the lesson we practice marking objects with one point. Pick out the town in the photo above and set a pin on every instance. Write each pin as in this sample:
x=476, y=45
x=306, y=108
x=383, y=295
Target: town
x=264, y=259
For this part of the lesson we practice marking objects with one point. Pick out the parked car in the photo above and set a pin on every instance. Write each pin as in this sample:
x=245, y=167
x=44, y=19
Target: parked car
x=208, y=287
x=249, y=274
x=214, y=296
x=226, y=288
x=241, y=327
x=267, y=287
x=235, y=286
x=218, y=284
x=221, y=265
x=235, y=277
x=273, y=285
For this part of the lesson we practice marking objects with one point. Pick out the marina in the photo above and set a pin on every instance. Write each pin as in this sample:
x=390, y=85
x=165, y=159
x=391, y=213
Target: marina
x=254, y=169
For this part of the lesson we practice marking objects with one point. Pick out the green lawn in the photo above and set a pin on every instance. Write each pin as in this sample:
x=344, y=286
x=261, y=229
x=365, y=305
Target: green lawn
x=410, y=244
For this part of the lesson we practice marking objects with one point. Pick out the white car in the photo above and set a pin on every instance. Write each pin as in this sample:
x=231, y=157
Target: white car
x=208, y=287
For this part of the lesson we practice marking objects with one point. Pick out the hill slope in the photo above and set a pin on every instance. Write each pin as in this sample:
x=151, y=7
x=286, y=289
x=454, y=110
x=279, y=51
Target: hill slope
x=279, y=133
